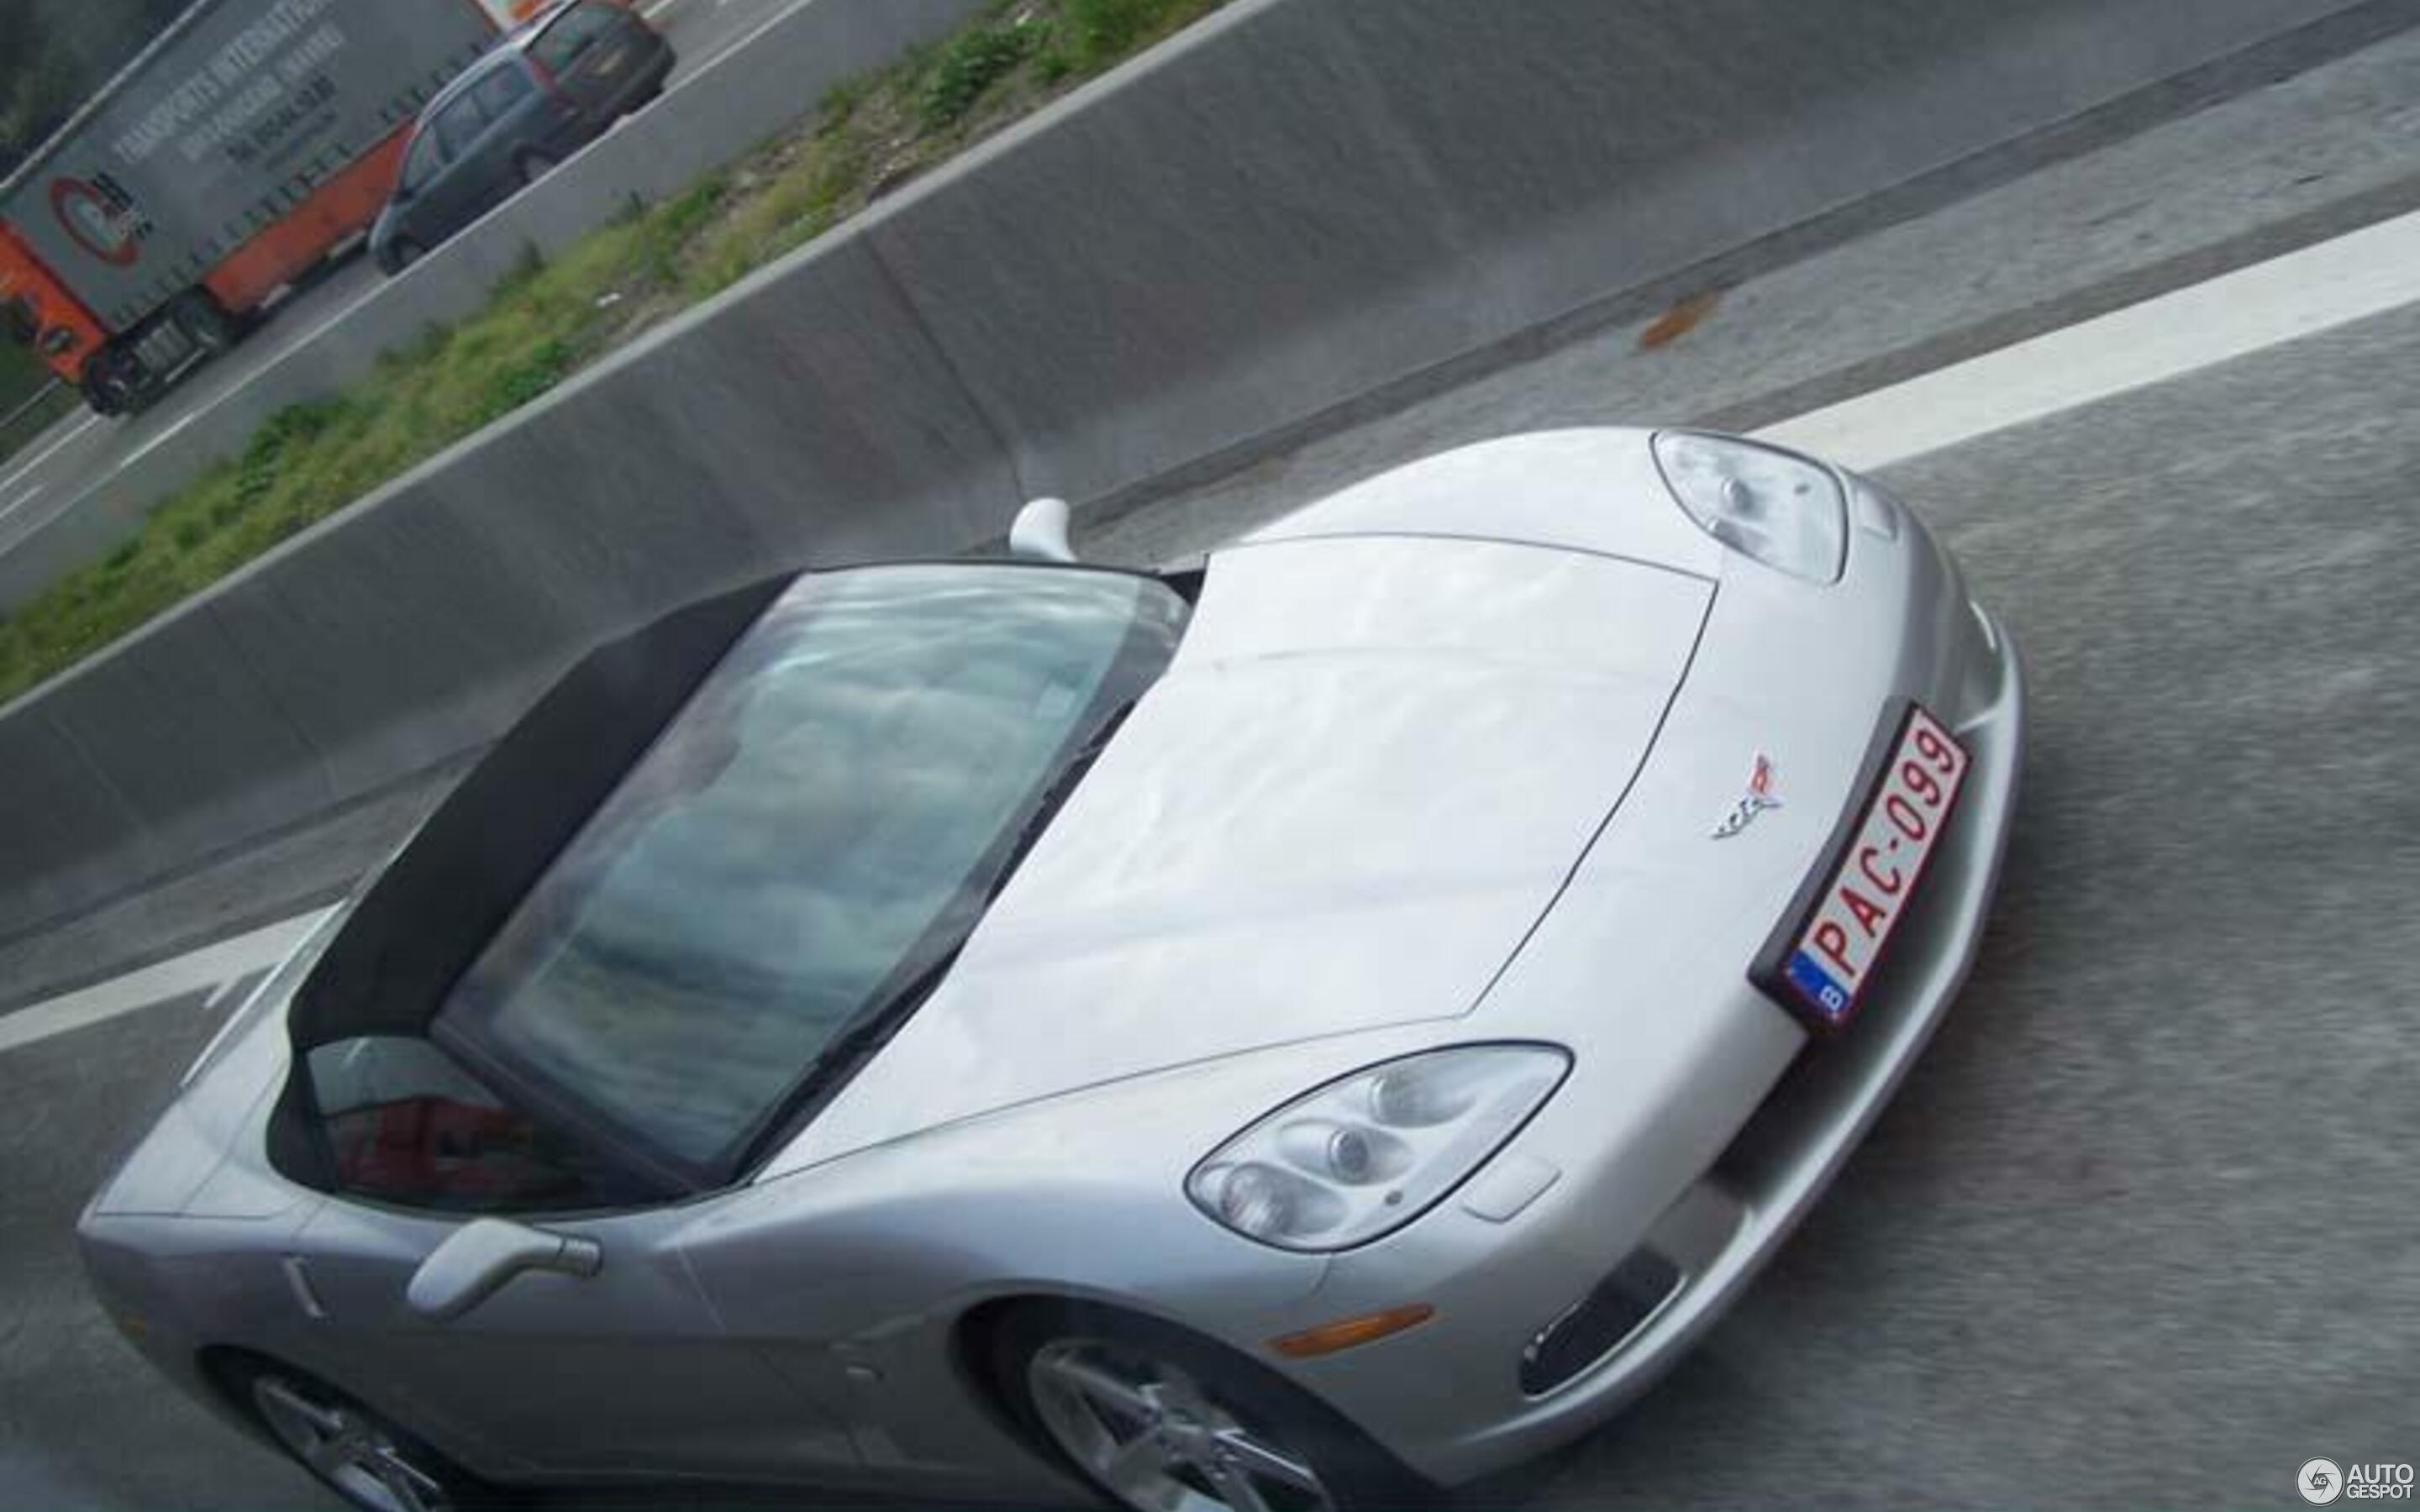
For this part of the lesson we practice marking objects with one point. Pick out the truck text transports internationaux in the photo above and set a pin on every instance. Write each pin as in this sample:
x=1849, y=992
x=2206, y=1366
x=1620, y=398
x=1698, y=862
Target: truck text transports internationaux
x=247, y=142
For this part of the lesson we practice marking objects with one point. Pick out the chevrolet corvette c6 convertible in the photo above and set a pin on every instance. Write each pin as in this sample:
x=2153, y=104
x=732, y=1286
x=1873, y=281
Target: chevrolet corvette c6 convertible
x=1329, y=1021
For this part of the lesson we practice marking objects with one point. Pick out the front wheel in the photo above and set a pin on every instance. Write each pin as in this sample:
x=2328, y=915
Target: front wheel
x=1164, y=1421
x=112, y=382
x=399, y=255
x=357, y=1454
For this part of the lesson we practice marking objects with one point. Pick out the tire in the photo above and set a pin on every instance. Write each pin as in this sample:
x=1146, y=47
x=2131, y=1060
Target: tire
x=399, y=255
x=107, y=386
x=351, y=1449
x=1156, y=1418
x=533, y=166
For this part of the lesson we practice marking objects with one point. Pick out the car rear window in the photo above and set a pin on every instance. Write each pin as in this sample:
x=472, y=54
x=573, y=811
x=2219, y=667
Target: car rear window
x=819, y=826
x=571, y=34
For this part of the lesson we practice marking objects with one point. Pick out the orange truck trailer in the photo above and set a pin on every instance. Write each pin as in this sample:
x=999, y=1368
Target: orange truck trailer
x=250, y=141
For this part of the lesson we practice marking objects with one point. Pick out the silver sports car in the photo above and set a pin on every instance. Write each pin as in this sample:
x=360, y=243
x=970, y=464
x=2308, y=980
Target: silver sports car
x=1284, y=1033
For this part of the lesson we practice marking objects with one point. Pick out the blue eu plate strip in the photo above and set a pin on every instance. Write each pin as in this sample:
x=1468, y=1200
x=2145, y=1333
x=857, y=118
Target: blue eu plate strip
x=1827, y=995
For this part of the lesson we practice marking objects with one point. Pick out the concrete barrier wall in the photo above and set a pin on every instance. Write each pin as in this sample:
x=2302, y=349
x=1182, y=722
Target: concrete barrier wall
x=1301, y=201
x=1330, y=195
x=727, y=107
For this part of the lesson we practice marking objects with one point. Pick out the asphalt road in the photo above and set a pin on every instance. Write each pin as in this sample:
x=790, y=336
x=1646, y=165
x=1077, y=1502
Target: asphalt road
x=2138, y=1230
x=48, y=475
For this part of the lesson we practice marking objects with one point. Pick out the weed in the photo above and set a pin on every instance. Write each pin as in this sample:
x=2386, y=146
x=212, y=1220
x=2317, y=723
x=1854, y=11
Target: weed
x=972, y=62
x=525, y=381
x=1092, y=34
x=287, y=431
x=529, y=264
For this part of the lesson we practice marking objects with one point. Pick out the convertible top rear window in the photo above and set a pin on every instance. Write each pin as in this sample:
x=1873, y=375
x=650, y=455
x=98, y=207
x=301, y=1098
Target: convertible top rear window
x=821, y=824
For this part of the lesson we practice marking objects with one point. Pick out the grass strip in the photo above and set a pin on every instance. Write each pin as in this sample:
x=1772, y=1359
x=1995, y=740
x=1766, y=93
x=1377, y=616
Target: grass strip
x=871, y=134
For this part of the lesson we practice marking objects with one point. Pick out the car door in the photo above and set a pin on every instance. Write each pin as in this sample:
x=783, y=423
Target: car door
x=626, y=1370
x=457, y=195
x=514, y=113
x=423, y=163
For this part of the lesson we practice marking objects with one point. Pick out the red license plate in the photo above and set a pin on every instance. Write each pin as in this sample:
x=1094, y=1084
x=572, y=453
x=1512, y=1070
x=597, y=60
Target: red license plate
x=1819, y=966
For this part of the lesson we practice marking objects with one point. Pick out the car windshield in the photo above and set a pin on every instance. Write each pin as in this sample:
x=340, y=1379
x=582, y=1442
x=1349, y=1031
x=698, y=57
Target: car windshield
x=821, y=826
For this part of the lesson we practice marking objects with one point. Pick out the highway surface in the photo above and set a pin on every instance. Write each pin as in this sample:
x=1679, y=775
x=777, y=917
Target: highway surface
x=50, y=473
x=2137, y=1231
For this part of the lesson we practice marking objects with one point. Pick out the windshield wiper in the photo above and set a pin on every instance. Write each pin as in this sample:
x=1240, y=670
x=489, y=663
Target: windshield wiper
x=851, y=1046
x=870, y=1028
x=1055, y=797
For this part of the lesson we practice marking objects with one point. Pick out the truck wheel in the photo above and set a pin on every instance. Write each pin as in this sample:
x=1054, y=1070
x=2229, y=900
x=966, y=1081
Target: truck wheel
x=112, y=382
x=533, y=166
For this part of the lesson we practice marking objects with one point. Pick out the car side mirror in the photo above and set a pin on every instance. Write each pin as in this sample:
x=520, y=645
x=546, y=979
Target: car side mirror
x=1040, y=533
x=481, y=1256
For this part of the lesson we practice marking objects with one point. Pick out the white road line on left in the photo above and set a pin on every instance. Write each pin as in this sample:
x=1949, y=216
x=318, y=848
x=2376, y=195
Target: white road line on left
x=218, y=966
x=43, y=455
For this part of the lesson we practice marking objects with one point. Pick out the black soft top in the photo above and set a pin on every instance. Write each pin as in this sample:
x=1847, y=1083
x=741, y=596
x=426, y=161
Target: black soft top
x=426, y=919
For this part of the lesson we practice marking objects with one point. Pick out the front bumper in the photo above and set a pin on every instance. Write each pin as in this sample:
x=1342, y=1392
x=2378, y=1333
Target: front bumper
x=1701, y=1144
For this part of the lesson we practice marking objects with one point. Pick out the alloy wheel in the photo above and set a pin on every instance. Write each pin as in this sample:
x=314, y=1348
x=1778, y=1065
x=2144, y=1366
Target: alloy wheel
x=1154, y=1438
x=350, y=1447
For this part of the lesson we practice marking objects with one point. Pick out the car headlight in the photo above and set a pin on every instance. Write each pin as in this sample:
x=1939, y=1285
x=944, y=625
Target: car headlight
x=1363, y=1156
x=1782, y=509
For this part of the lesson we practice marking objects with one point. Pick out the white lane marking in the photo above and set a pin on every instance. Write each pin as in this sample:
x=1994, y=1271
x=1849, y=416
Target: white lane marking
x=22, y=500
x=218, y=994
x=780, y=14
x=87, y=424
x=2319, y=287
x=215, y=965
x=147, y=447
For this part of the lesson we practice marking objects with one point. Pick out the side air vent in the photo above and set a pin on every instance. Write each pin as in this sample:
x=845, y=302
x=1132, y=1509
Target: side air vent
x=1599, y=1322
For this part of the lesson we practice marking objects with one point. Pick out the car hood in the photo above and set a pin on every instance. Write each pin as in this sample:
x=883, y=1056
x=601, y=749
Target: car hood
x=1371, y=767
